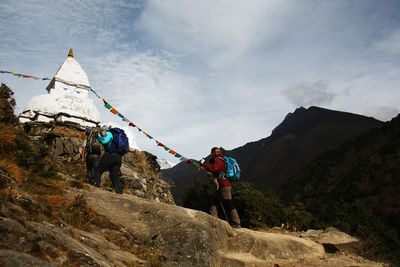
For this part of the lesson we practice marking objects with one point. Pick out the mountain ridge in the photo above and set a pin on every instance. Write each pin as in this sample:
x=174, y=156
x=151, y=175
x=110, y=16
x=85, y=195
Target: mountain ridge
x=297, y=140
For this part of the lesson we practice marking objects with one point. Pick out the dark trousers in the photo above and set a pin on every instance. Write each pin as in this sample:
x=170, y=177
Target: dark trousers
x=224, y=196
x=92, y=161
x=111, y=163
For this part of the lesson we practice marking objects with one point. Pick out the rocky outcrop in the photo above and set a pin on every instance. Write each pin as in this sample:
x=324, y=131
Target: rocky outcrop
x=27, y=240
x=193, y=238
x=179, y=236
x=140, y=172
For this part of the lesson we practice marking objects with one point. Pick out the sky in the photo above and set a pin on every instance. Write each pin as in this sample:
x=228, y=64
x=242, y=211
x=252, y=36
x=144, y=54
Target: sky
x=199, y=74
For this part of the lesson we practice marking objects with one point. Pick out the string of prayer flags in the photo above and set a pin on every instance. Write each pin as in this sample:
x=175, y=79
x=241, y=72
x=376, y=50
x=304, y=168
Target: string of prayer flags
x=169, y=150
x=19, y=75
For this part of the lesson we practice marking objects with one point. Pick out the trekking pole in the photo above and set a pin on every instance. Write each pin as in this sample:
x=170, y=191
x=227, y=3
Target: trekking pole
x=222, y=206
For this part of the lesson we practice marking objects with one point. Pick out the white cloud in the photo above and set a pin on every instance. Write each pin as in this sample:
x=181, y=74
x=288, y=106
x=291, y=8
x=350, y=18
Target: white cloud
x=390, y=44
x=384, y=113
x=216, y=32
x=307, y=94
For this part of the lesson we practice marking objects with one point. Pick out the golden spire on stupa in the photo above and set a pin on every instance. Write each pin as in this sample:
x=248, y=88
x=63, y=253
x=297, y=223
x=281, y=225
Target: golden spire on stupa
x=70, y=54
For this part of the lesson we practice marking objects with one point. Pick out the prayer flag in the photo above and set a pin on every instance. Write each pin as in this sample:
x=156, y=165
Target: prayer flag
x=172, y=152
x=114, y=111
x=190, y=161
x=178, y=155
x=120, y=115
x=131, y=124
x=160, y=144
x=166, y=148
x=196, y=164
x=125, y=119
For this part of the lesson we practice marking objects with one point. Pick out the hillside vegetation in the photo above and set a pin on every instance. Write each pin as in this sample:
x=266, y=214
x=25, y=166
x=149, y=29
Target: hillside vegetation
x=356, y=188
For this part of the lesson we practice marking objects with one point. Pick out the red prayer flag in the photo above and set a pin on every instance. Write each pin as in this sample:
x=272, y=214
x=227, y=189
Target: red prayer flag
x=160, y=144
x=131, y=124
x=190, y=161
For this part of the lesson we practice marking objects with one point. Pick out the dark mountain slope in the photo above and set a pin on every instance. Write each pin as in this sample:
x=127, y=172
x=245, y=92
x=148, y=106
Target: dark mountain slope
x=299, y=139
x=356, y=187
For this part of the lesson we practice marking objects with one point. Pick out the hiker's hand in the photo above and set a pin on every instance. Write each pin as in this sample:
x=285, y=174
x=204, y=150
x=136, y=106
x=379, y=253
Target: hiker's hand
x=202, y=161
x=215, y=181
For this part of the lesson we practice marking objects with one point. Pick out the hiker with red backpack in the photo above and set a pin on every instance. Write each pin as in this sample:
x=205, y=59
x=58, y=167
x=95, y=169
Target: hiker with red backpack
x=116, y=145
x=221, y=168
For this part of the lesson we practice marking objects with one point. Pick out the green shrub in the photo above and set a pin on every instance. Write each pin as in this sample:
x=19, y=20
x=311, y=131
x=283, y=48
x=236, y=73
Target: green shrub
x=256, y=208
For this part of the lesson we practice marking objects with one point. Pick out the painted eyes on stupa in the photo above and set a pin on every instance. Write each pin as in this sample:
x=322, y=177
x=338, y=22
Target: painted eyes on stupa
x=75, y=91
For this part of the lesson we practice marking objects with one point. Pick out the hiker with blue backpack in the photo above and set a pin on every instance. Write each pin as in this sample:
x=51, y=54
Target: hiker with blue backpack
x=116, y=145
x=225, y=170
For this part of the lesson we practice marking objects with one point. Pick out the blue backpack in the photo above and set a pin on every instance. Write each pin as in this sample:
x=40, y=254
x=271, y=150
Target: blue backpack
x=232, y=169
x=120, y=142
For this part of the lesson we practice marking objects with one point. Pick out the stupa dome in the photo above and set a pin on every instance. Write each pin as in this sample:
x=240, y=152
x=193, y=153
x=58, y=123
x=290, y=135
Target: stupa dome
x=67, y=98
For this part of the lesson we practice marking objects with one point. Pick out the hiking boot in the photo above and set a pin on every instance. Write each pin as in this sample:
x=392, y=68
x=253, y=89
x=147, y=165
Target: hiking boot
x=236, y=226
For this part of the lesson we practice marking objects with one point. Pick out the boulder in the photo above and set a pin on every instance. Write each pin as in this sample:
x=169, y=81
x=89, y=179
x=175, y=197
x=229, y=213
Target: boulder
x=334, y=240
x=193, y=238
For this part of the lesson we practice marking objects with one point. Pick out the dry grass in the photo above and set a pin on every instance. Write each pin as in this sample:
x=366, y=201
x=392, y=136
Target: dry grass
x=142, y=163
x=7, y=140
x=79, y=215
x=10, y=166
x=155, y=258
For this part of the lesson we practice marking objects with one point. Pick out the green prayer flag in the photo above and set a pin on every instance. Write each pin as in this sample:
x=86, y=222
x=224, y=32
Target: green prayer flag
x=166, y=148
x=108, y=106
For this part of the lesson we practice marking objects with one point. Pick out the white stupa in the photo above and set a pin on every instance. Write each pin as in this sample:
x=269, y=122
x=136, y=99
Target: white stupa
x=67, y=100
